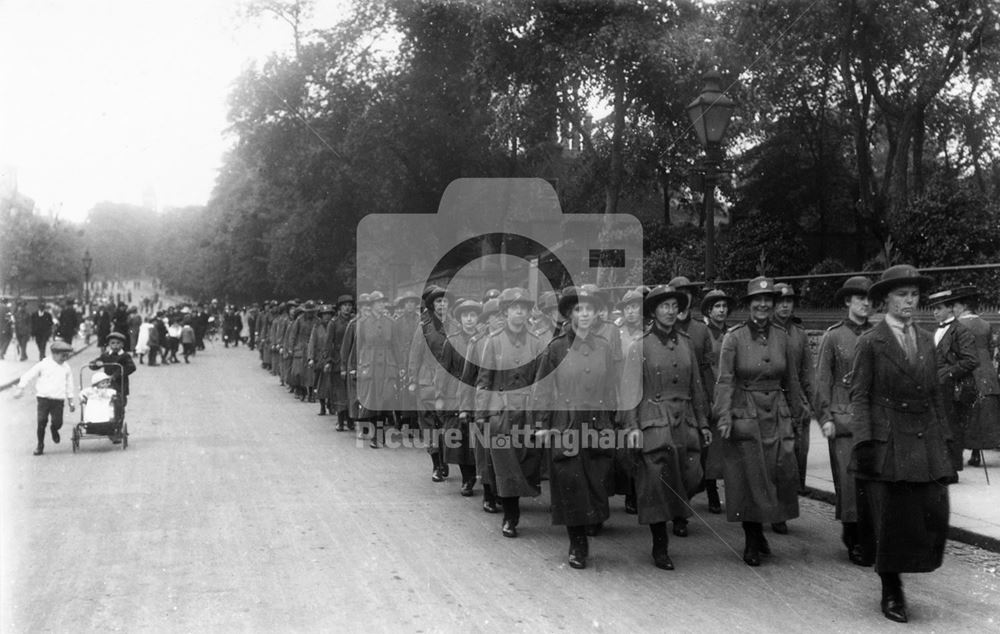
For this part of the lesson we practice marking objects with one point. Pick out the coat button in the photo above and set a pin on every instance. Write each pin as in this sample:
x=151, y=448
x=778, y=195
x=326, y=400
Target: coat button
x=767, y=360
x=675, y=379
x=587, y=370
x=905, y=405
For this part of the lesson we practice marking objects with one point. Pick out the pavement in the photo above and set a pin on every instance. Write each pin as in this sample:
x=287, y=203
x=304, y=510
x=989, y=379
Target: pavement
x=237, y=508
x=975, y=499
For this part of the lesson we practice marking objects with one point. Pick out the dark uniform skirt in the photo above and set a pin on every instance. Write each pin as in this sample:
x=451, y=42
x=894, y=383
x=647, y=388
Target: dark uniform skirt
x=578, y=486
x=461, y=452
x=907, y=523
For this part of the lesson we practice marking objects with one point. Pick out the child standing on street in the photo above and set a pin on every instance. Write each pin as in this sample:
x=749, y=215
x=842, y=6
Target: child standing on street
x=187, y=339
x=54, y=387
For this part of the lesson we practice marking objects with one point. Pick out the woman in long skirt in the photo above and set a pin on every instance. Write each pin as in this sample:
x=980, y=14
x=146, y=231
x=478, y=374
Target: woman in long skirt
x=901, y=435
x=757, y=399
x=667, y=421
x=574, y=395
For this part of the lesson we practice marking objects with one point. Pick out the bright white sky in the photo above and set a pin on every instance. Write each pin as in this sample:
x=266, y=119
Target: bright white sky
x=108, y=99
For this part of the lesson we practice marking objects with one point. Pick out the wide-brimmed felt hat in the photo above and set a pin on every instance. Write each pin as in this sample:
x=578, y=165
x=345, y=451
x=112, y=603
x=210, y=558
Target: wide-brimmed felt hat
x=465, y=306
x=408, y=295
x=601, y=294
x=515, y=295
x=377, y=296
x=364, y=299
x=327, y=309
x=491, y=293
x=716, y=295
x=785, y=291
x=572, y=295
x=309, y=307
x=61, y=346
x=548, y=301
x=345, y=299
x=857, y=285
x=490, y=307
x=115, y=335
x=896, y=276
x=682, y=283
x=633, y=296
x=660, y=294
x=433, y=292
x=760, y=286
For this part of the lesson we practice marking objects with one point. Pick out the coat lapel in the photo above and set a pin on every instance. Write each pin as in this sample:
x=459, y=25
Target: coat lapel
x=891, y=348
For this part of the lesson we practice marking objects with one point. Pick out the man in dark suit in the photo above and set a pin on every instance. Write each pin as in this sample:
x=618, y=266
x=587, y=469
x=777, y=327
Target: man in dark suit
x=69, y=322
x=41, y=328
x=956, y=355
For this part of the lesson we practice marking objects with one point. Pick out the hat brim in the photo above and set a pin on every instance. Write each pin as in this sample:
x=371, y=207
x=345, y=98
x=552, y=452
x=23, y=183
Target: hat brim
x=844, y=293
x=880, y=289
x=652, y=300
x=774, y=295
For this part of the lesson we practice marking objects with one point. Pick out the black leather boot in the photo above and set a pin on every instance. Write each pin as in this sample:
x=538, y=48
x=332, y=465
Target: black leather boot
x=893, y=601
x=468, y=479
x=660, y=545
x=436, y=475
x=511, y=516
x=489, y=500
x=712, y=491
x=751, y=549
x=578, y=547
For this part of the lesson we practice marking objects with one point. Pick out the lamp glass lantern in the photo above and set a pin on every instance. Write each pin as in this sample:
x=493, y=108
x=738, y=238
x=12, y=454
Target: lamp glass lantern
x=711, y=111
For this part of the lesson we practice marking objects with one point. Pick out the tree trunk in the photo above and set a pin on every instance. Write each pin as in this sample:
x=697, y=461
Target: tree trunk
x=616, y=166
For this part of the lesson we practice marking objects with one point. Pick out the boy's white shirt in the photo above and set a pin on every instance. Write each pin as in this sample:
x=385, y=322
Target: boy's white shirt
x=54, y=380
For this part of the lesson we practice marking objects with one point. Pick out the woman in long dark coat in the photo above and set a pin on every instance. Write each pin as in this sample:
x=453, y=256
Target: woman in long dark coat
x=832, y=404
x=574, y=395
x=507, y=371
x=757, y=398
x=901, y=437
x=669, y=421
x=456, y=444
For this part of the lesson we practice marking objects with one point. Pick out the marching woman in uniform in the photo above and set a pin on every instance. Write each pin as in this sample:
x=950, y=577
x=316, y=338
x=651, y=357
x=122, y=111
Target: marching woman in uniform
x=491, y=323
x=832, y=404
x=426, y=353
x=378, y=367
x=901, y=437
x=575, y=392
x=757, y=400
x=449, y=391
x=334, y=343
x=715, y=307
x=349, y=358
x=669, y=422
x=503, y=394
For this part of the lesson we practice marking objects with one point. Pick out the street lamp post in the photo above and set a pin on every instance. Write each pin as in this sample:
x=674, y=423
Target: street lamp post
x=87, y=261
x=710, y=113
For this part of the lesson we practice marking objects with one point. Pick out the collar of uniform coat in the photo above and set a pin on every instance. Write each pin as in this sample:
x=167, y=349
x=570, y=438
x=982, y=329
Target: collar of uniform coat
x=518, y=337
x=758, y=330
x=663, y=334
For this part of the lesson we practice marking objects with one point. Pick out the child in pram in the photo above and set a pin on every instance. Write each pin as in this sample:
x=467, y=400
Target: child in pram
x=101, y=410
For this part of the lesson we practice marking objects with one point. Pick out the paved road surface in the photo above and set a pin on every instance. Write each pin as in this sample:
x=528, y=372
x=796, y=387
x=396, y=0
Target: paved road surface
x=238, y=508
